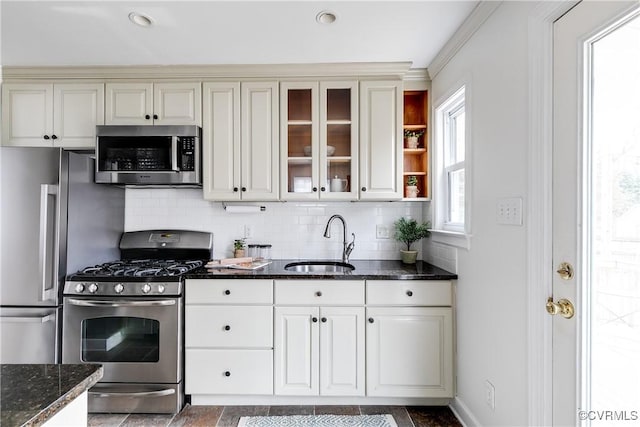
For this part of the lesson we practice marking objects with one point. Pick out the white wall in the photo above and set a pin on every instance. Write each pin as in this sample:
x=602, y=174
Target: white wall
x=294, y=229
x=491, y=289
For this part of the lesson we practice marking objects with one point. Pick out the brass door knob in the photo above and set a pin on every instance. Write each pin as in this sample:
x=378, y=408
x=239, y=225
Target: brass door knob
x=563, y=307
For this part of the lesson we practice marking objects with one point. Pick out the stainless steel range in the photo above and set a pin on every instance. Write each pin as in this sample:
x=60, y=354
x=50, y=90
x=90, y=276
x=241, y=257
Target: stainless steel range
x=128, y=316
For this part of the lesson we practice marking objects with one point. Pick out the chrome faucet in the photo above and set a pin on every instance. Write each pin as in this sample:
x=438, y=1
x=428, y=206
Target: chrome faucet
x=346, y=248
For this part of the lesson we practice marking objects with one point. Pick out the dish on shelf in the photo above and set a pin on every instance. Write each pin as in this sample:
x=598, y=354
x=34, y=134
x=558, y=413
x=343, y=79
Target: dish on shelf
x=330, y=150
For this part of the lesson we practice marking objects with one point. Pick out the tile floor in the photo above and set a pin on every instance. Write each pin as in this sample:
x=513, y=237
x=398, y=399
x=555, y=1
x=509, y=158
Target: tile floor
x=228, y=416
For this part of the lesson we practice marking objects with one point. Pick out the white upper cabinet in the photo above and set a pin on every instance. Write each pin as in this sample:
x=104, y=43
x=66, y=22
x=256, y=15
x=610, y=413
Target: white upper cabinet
x=171, y=103
x=319, y=127
x=52, y=115
x=380, y=140
x=240, y=141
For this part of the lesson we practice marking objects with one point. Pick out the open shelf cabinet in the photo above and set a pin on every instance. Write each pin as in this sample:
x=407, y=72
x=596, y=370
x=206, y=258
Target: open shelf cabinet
x=416, y=160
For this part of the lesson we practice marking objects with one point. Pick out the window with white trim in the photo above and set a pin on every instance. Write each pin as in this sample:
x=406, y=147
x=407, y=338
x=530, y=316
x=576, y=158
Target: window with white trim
x=450, y=130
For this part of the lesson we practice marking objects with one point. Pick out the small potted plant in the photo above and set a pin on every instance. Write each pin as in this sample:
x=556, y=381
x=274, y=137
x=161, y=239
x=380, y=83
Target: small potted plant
x=238, y=248
x=409, y=231
x=412, y=186
x=412, y=136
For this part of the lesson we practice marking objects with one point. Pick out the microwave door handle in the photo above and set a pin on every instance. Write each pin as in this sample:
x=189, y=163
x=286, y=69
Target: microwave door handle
x=174, y=154
x=44, y=244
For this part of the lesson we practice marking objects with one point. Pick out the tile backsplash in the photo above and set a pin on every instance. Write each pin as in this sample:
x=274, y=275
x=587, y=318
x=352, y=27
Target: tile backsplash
x=295, y=229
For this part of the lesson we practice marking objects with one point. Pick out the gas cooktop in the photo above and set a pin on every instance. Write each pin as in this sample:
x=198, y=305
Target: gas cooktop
x=132, y=268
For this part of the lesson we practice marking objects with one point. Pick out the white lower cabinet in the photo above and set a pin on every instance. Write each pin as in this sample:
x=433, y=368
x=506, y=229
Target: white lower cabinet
x=229, y=337
x=296, y=339
x=409, y=348
x=319, y=350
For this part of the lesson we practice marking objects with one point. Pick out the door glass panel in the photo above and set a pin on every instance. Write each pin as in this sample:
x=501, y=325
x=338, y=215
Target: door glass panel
x=613, y=236
x=299, y=133
x=134, y=153
x=338, y=144
x=120, y=339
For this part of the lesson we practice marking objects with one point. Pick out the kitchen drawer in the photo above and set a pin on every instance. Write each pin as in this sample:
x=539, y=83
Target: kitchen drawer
x=228, y=326
x=214, y=291
x=228, y=371
x=319, y=292
x=409, y=292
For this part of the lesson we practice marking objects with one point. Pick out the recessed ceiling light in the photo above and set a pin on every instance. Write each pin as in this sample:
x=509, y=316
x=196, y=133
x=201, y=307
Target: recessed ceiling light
x=141, y=19
x=326, y=17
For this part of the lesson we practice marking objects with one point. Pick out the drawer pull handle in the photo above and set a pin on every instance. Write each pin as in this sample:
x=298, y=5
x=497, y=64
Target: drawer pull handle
x=227, y=327
x=227, y=373
x=324, y=320
x=227, y=292
x=409, y=293
x=314, y=319
x=370, y=319
x=318, y=294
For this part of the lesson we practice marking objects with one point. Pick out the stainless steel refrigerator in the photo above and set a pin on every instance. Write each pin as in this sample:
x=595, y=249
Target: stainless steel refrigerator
x=54, y=220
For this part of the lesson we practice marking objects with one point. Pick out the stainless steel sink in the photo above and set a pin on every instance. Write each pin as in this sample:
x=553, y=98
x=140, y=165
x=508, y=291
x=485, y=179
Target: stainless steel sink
x=327, y=267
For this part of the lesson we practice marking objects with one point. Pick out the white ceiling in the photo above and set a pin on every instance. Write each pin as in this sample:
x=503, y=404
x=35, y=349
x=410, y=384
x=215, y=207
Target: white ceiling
x=51, y=33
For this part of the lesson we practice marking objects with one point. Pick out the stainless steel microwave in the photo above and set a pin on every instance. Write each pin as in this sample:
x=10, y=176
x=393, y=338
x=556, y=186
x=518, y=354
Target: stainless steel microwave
x=149, y=155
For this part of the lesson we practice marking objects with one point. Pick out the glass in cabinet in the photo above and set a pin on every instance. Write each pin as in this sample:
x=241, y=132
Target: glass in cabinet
x=320, y=140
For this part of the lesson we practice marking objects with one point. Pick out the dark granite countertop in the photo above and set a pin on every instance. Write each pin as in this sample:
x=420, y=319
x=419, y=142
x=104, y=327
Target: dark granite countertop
x=364, y=269
x=32, y=394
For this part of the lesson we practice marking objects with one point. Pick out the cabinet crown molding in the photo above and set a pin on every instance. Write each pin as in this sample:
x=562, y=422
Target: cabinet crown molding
x=390, y=70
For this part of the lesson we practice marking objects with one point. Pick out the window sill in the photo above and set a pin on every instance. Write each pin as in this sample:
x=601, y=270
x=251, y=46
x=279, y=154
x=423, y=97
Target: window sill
x=451, y=238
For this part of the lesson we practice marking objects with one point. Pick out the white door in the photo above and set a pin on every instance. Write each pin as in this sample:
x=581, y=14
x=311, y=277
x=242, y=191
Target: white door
x=177, y=103
x=596, y=214
x=27, y=116
x=296, y=351
x=342, y=351
x=129, y=104
x=77, y=109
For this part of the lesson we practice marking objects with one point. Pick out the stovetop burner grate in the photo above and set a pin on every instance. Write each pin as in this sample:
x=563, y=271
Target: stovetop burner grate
x=141, y=268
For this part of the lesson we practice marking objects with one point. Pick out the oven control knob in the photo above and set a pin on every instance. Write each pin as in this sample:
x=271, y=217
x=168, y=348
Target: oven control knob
x=160, y=289
x=118, y=288
x=80, y=288
x=93, y=288
x=146, y=288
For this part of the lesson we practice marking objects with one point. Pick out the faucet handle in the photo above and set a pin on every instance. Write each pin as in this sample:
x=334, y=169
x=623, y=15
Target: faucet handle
x=350, y=246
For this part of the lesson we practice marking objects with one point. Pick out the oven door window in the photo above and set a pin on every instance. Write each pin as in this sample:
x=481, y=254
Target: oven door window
x=140, y=153
x=120, y=339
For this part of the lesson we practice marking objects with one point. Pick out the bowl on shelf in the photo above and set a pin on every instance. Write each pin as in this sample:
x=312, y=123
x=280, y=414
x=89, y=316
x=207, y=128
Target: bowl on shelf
x=330, y=150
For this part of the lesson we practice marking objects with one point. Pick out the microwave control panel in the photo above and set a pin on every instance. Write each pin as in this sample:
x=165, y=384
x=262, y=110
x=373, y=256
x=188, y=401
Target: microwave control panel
x=187, y=151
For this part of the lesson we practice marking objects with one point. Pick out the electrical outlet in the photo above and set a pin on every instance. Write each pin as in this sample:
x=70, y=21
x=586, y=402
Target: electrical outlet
x=509, y=211
x=382, y=231
x=248, y=232
x=490, y=394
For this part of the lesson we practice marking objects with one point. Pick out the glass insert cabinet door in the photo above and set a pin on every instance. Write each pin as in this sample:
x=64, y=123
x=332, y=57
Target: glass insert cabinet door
x=319, y=140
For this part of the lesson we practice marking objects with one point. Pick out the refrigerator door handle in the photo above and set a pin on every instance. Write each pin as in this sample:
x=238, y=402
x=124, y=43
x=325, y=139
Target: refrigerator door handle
x=28, y=319
x=46, y=233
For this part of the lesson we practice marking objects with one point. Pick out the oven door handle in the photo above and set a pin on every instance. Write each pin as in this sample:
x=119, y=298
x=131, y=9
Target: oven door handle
x=155, y=393
x=99, y=303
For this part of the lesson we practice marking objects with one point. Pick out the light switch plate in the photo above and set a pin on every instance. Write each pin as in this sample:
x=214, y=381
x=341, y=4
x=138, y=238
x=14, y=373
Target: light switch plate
x=509, y=211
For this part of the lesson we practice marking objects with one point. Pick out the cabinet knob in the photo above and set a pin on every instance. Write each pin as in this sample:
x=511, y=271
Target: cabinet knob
x=227, y=373
x=323, y=189
x=147, y=117
x=46, y=137
x=323, y=320
x=244, y=188
x=314, y=319
x=409, y=293
x=370, y=319
x=364, y=189
x=227, y=327
x=155, y=117
x=318, y=294
x=227, y=292
x=235, y=189
x=315, y=189
x=54, y=137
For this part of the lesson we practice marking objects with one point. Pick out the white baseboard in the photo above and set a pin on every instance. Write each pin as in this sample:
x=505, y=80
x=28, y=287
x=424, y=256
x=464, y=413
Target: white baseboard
x=462, y=412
